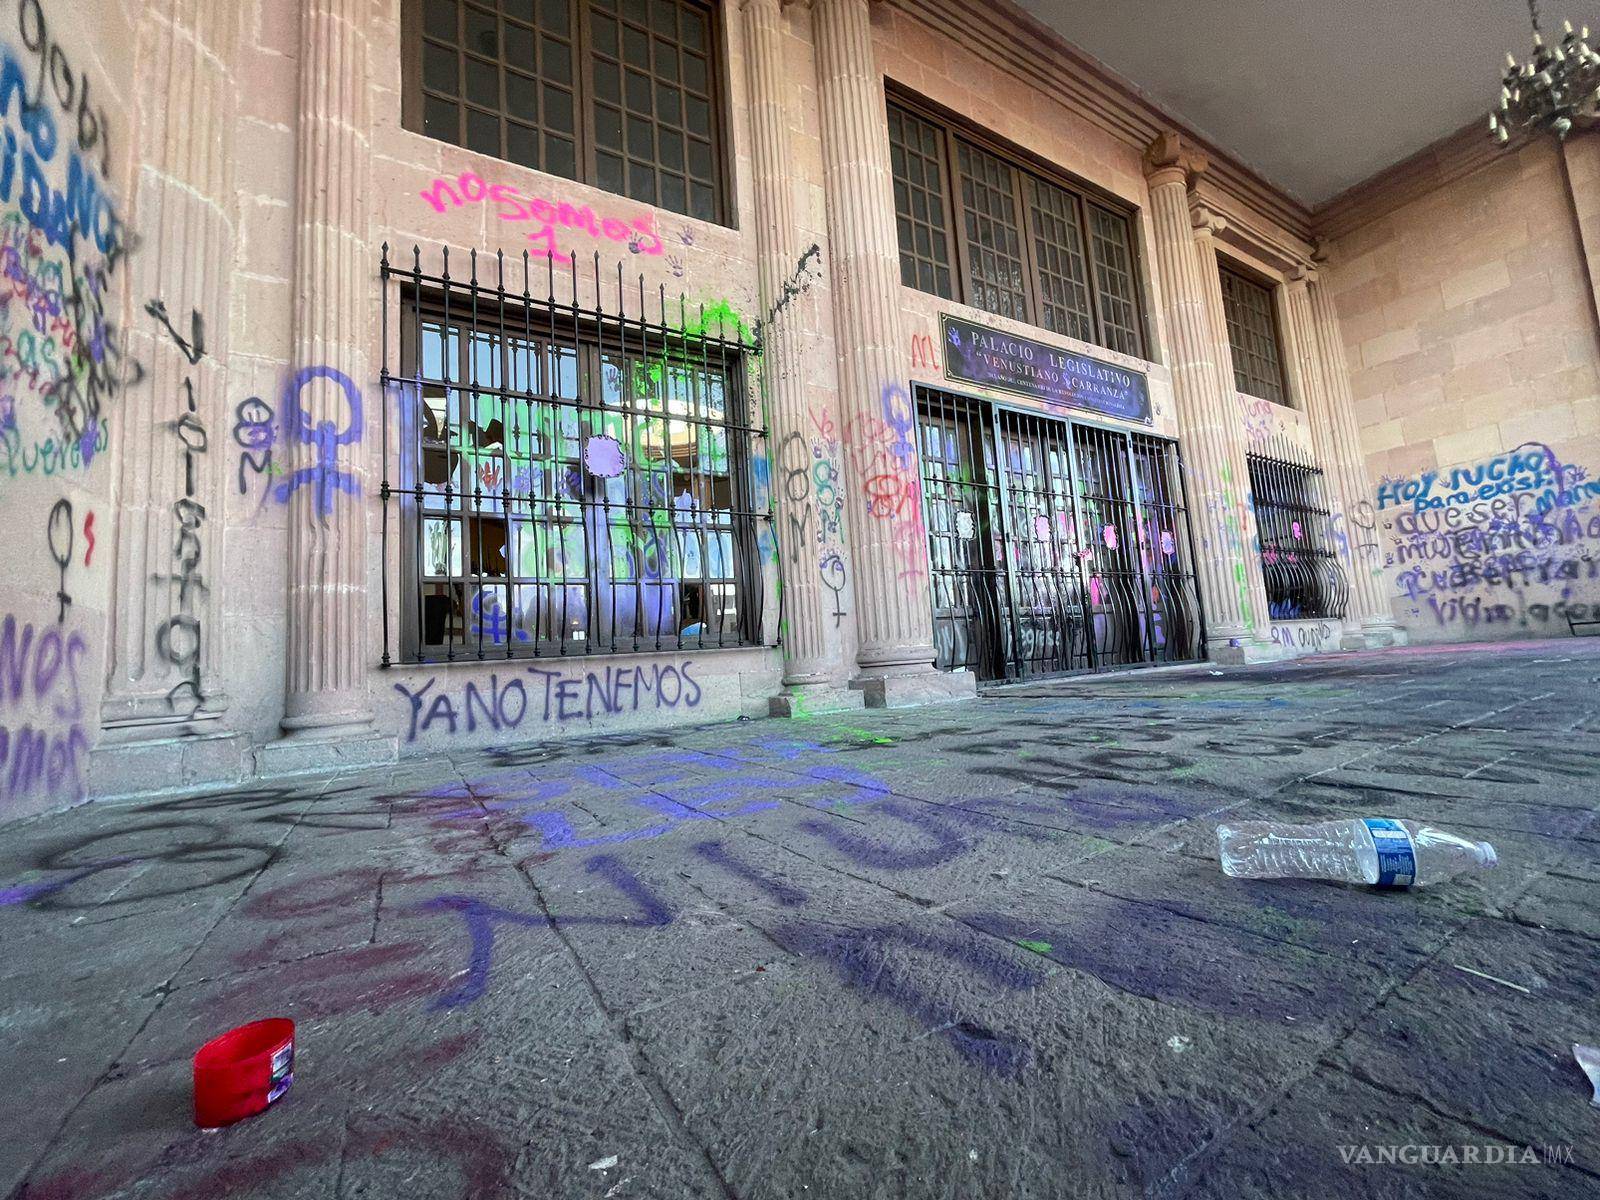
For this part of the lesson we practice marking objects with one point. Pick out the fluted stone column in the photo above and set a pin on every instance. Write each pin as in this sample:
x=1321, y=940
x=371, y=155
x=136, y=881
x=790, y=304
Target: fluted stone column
x=888, y=542
x=783, y=385
x=329, y=644
x=1309, y=385
x=1209, y=427
x=1346, y=465
x=171, y=425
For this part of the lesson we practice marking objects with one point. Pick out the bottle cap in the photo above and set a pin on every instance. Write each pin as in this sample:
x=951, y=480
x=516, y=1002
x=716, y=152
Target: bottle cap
x=1486, y=855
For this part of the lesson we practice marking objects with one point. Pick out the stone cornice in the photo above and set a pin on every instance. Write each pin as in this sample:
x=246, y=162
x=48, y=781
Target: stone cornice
x=1000, y=33
x=1245, y=232
x=1450, y=158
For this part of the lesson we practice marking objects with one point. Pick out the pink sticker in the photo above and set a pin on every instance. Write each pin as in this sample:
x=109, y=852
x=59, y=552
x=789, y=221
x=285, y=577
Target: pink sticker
x=1168, y=546
x=1109, y=534
x=1041, y=528
x=1094, y=590
x=1296, y=527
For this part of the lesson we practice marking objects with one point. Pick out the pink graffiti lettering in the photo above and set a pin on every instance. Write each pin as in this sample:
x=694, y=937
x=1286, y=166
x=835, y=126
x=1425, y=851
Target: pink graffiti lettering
x=638, y=234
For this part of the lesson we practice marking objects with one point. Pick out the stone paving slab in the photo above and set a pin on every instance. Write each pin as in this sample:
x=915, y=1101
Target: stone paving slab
x=978, y=950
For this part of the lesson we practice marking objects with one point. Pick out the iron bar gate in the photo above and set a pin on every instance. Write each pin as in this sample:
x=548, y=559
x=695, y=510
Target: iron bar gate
x=1054, y=546
x=1294, y=531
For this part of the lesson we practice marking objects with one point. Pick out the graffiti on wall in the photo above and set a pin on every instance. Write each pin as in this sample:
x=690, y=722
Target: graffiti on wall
x=256, y=434
x=42, y=735
x=806, y=272
x=1510, y=540
x=551, y=696
x=324, y=477
x=178, y=638
x=883, y=455
x=637, y=233
x=61, y=241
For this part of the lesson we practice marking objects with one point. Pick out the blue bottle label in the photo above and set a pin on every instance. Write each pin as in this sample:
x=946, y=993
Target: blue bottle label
x=1397, y=859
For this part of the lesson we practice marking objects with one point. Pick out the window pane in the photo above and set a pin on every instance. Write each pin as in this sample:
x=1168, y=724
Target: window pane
x=642, y=182
x=694, y=29
x=699, y=158
x=638, y=92
x=556, y=16
x=635, y=47
x=604, y=31
x=671, y=143
x=441, y=119
x=994, y=238
x=440, y=69
x=483, y=83
x=917, y=164
x=607, y=126
x=674, y=192
x=557, y=109
x=560, y=158
x=439, y=18
x=522, y=97
x=519, y=46
x=483, y=33
x=522, y=145
x=641, y=138
x=557, y=61
x=694, y=73
x=703, y=202
x=483, y=132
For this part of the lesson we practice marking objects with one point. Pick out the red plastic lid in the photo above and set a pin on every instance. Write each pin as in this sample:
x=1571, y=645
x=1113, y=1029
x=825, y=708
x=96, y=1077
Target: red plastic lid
x=238, y=1074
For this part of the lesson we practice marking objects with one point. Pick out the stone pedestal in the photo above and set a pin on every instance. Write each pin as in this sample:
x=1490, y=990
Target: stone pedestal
x=1216, y=476
x=888, y=542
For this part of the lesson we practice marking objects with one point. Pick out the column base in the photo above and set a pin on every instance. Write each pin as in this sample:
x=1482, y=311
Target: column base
x=1241, y=651
x=304, y=754
x=1382, y=633
x=124, y=766
x=923, y=687
x=810, y=699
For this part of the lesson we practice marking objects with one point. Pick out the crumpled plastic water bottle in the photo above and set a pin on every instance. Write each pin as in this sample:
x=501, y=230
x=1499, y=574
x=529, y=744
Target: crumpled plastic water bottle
x=1374, y=850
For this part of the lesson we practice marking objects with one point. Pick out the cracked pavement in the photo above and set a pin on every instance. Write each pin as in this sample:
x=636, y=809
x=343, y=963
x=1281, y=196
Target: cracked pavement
x=975, y=950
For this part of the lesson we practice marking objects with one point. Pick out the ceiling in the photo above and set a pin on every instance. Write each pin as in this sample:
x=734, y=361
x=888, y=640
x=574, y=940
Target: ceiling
x=1315, y=95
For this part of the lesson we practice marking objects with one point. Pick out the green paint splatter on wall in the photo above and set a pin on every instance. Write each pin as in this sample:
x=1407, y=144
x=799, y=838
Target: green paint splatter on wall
x=1036, y=947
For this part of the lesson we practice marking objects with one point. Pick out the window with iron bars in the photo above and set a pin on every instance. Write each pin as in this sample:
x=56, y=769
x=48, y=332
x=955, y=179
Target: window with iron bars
x=572, y=480
x=1300, y=567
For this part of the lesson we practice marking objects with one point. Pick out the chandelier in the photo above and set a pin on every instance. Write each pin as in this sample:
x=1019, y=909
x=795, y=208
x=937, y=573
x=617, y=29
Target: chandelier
x=1559, y=85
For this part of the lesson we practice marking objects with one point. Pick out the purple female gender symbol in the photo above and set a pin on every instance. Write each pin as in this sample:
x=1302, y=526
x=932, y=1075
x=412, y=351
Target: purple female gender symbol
x=325, y=474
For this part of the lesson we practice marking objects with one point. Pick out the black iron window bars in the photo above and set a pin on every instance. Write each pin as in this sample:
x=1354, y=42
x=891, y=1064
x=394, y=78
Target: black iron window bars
x=572, y=479
x=1301, y=568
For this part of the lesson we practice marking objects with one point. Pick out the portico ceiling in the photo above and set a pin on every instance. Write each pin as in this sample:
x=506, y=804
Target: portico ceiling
x=1315, y=95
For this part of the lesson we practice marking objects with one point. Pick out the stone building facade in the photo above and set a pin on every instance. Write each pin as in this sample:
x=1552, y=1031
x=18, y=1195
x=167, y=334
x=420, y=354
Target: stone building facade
x=384, y=377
